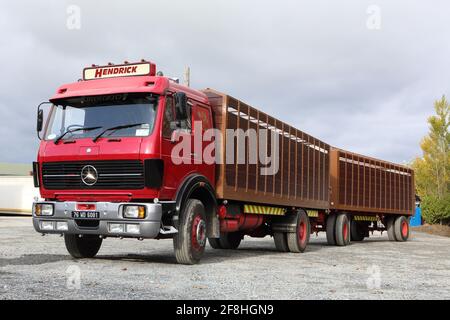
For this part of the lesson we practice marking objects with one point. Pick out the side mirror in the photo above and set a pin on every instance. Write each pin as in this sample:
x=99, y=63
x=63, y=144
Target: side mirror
x=181, y=105
x=40, y=120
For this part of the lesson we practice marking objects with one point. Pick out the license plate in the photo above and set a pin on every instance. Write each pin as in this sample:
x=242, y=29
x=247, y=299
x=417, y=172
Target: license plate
x=85, y=214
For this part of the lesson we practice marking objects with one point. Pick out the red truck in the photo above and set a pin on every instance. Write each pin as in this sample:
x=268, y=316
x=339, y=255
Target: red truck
x=127, y=152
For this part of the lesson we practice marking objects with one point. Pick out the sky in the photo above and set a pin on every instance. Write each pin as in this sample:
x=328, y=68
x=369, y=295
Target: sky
x=359, y=75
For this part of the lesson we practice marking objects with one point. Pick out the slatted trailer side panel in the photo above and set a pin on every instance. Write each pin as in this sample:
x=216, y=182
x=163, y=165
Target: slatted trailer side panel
x=363, y=184
x=303, y=176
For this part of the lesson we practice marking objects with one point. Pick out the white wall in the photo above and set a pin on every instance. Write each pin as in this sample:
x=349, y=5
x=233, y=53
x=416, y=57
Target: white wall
x=17, y=194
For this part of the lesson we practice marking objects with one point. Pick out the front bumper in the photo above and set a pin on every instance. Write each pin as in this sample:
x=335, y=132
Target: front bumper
x=110, y=213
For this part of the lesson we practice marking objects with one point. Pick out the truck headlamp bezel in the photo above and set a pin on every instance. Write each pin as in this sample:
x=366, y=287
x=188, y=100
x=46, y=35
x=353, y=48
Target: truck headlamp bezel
x=44, y=209
x=134, y=211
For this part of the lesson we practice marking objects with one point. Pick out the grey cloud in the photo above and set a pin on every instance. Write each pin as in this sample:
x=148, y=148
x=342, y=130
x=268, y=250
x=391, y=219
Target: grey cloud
x=313, y=64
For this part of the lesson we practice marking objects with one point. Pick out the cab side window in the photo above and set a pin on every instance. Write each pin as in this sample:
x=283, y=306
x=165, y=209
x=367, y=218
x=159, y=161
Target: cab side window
x=169, y=117
x=186, y=124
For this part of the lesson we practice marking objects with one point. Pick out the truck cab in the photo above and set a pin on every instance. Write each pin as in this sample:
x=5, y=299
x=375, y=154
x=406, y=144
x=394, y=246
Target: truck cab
x=107, y=164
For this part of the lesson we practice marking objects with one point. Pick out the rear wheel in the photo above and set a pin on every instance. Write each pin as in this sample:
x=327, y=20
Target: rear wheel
x=331, y=225
x=401, y=228
x=230, y=240
x=357, y=231
x=281, y=241
x=85, y=247
x=189, y=243
x=342, y=230
x=390, y=228
x=297, y=241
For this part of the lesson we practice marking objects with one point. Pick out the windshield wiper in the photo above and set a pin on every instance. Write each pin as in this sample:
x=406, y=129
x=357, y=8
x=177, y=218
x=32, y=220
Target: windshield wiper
x=75, y=130
x=116, y=128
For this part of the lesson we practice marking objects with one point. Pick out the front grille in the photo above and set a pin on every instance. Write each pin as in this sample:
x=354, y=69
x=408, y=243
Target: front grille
x=122, y=174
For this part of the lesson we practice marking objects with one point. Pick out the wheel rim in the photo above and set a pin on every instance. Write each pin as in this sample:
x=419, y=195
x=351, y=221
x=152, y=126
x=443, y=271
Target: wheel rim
x=345, y=231
x=404, y=229
x=302, y=232
x=198, y=234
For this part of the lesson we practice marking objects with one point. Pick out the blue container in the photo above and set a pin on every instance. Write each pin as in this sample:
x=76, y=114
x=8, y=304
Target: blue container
x=416, y=219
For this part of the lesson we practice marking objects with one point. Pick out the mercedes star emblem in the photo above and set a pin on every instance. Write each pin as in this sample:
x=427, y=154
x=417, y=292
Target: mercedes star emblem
x=89, y=175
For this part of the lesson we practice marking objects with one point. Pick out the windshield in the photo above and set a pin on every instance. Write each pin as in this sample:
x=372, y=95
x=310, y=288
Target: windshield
x=102, y=112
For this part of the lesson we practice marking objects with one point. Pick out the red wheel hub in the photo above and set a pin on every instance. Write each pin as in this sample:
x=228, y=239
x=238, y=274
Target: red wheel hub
x=198, y=233
x=345, y=231
x=301, y=232
x=404, y=229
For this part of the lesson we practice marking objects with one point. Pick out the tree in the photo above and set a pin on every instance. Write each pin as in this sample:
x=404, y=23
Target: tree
x=432, y=170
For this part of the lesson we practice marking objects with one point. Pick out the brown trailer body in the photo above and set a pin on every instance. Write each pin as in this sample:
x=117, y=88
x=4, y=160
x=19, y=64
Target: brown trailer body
x=360, y=184
x=303, y=176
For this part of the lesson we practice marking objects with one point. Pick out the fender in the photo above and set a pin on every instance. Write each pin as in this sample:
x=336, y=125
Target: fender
x=197, y=186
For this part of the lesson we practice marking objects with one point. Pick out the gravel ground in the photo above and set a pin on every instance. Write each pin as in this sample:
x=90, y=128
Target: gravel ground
x=36, y=267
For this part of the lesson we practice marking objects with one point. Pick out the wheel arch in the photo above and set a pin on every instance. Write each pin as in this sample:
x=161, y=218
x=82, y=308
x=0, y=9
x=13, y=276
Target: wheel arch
x=196, y=186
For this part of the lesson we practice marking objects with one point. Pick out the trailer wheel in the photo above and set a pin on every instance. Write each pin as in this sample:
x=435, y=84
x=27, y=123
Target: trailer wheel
x=342, y=230
x=390, y=228
x=401, y=228
x=357, y=232
x=214, y=243
x=331, y=225
x=281, y=241
x=230, y=240
x=189, y=243
x=297, y=241
x=85, y=247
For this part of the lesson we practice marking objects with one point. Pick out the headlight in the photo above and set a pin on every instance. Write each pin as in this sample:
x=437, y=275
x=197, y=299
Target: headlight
x=133, y=212
x=43, y=209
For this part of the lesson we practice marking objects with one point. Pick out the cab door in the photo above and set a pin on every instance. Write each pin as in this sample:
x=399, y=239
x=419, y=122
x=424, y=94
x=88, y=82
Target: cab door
x=177, y=165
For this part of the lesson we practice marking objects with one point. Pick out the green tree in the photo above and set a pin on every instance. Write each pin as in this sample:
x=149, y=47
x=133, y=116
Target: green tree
x=432, y=170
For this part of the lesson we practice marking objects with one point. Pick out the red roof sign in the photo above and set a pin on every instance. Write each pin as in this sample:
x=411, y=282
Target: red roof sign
x=124, y=70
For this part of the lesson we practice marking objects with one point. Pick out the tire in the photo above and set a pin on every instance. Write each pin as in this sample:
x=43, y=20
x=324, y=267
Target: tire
x=401, y=228
x=281, y=241
x=357, y=232
x=390, y=228
x=297, y=241
x=85, y=247
x=189, y=243
x=214, y=243
x=342, y=230
x=230, y=240
x=331, y=225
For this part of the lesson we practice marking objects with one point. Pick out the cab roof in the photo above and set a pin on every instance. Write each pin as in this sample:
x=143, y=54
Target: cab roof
x=151, y=84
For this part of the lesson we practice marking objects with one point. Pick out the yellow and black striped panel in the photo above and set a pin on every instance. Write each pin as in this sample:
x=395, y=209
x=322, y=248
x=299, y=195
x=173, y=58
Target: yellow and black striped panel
x=312, y=213
x=254, y=209
x=365, y=218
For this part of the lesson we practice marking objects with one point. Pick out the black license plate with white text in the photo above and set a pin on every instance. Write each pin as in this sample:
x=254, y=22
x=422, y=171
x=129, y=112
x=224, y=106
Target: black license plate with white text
x=85, y=214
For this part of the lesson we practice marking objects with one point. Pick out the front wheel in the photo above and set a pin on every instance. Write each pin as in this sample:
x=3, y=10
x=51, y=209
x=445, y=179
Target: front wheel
x=86, y=246
x=189, y=243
